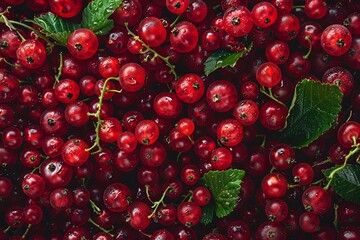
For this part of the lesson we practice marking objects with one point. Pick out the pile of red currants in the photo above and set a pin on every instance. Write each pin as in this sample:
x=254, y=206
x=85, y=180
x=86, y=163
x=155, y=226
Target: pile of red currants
x=179, y=119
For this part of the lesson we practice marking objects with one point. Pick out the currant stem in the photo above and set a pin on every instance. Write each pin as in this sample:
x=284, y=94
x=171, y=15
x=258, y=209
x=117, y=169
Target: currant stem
x=9, y=63
x=97, y=115
x=157, y=203
x=298, y=6
x=101, y=228
x=145, y=234
x=321, y=163
x=58, y=75
x=175, y=21
x=96, y=209
x=307, y=55
x=7, y=229
x=350, y=154
x=26, y=231
x=270, y=95
x=156, y=54
x=335, y=222
x=115, y=91
x=147, y=193
x=318, y=182
x=294, y=186
x=9, y=24
x=188, y=195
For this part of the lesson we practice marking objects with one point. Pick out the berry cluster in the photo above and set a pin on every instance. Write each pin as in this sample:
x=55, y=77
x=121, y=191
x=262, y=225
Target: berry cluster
x=117, y=115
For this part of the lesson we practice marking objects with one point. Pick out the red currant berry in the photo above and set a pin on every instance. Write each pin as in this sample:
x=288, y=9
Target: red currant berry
x=75, y=153
x=177, y=6
x=315, y=9
x=221, y=158
x=202, y=196
x=238, y=21
x=341, y=77
x=189, y=213
x=246, y=112
x=31, y=54
x=137, y=215
x=274, y=185
x=276, y=210
x=109, y=67
x=336, y=40
x=127, y=142
x=286, y=27
x=132, y=77
x=282, y=156
x=184, y=37
x=65, y=8
x=349, y=134
x=264, y=14
x=33, y=185
x=273, y=115
x=167, y=105
x=277, y=52
x=317, y=200
x=309, y=222
x=190, y=88
x=82, y=43
x=229, y=132
x=221, y=95
x=268, y=74
x=117, y=197
x=152, y=31
x=303, y=173
x=146, y=132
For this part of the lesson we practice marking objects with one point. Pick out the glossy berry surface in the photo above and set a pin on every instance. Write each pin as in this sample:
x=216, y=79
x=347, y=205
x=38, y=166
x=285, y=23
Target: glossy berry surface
x=179, y=119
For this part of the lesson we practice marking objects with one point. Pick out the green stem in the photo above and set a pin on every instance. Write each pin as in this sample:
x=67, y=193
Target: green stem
x=101, y=228
x=9, y=63
x=298, y=6
x=97, y=116
x=156, y=54
x=96, y=209
x=270, y=95
x=7, y=229
x=9, y=24
x=58, y=75
x=157, y=203
x=115, y=91
x=26, y=231
x=321, y=163
x=332, y=174
x=145, y=234
x=335, y=222
x=147, y=193
x=307, y=55
x=175, y=21
x=318, y=182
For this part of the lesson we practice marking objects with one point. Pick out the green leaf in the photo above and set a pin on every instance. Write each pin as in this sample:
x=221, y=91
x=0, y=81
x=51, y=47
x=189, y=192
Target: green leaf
x=95, y=15
x=207, y=214
x=55, y=27
x=224, y=58
x=346, y=182
x=314, y=109
x=224, y=187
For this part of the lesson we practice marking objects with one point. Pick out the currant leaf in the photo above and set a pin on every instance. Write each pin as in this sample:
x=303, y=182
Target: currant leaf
x=225, y=188
x=346, y=182
x=224, y=58
x=207, y=214
x=95, y=15
x=314, y=109
x=55, y=27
